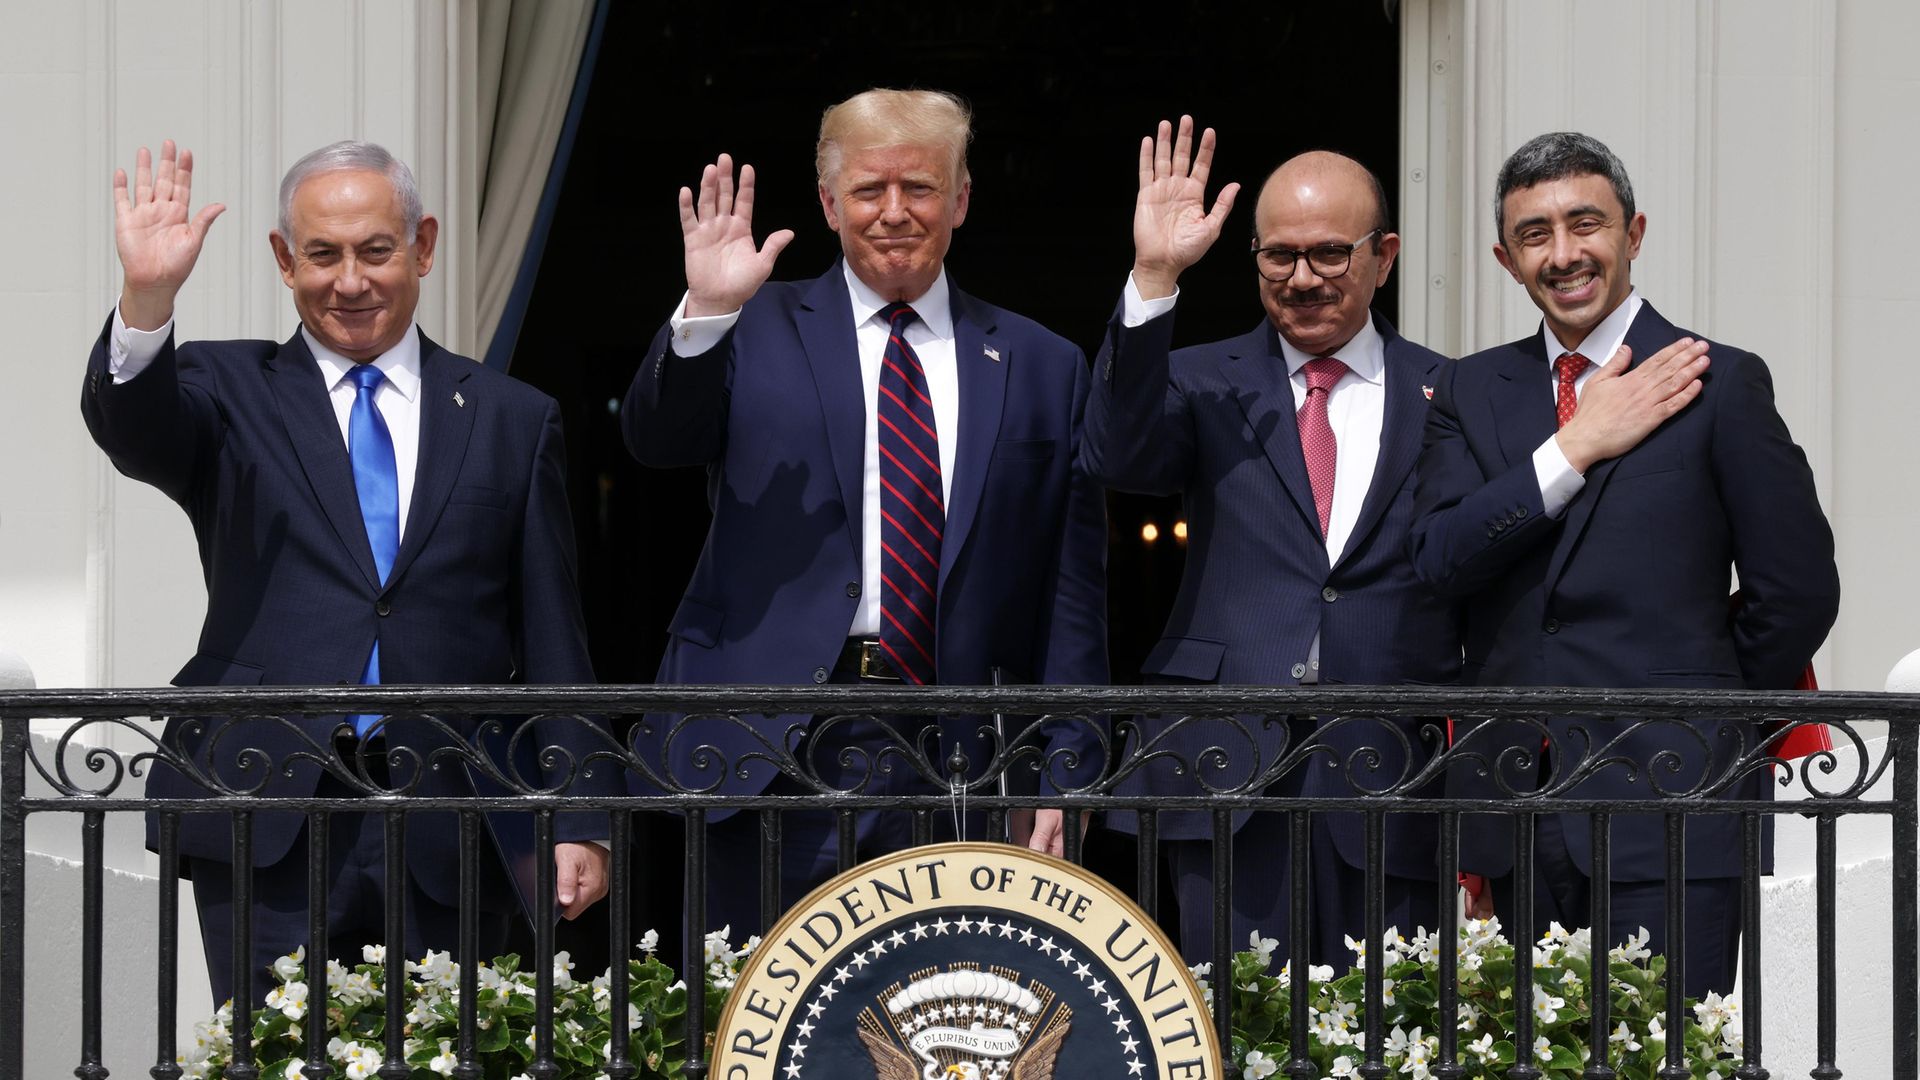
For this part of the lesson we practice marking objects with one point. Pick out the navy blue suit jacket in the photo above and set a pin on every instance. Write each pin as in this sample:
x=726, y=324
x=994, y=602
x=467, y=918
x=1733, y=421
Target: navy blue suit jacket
x=1628, y=587
x=1216, y=423
x=776, y=413
x=243, y=436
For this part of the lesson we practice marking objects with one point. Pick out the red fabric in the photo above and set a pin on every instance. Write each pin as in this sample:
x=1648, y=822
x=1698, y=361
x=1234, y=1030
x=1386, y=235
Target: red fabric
x=1566, y=401
x=1316, y=433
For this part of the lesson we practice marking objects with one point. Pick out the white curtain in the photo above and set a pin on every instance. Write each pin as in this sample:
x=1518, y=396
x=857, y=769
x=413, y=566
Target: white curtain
x=529, y=53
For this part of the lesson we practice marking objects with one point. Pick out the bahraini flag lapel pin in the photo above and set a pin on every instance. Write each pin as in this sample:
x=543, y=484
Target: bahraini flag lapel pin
x=1427, y=390
x=993, y=354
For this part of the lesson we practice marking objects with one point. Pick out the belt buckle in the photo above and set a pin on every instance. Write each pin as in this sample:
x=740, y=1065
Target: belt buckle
x=872, y=665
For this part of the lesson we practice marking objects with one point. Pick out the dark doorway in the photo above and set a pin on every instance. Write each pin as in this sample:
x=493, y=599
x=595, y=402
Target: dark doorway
x=1061, y=94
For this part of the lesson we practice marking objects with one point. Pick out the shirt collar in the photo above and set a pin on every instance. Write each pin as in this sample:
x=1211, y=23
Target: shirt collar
x=1365, y=355
x=933, y=306
x=400, y=364
x=1601, y=341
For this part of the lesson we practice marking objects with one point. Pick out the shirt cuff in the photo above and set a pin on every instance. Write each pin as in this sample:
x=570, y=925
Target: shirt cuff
x=1559, y=483
x=693, y=335
x=1135, y=310
x=129, y=351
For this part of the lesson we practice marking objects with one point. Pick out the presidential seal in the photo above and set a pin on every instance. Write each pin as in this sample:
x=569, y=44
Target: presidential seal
x=965, y=962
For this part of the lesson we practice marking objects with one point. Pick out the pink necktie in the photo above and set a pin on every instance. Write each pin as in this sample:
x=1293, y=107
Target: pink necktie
x=1568, y=368
x=1316, y=434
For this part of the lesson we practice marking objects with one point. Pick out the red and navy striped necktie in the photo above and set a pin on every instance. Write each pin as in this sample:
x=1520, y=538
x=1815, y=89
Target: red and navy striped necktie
x=912, y=509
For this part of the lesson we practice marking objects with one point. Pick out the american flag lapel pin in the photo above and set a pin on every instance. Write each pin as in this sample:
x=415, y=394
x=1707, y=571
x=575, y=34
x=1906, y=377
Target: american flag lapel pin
x=993, y=354
x=1427, y=390
x=462, y=402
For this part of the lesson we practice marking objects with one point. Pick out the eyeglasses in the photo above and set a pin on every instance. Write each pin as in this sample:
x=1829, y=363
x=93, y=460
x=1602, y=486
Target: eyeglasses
x=1325, y=260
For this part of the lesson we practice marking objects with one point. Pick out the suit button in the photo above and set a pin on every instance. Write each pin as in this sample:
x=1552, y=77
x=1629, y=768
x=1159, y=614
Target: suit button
x=382, y=609
x=1553, y=626
x=853, y=588
x=1520, y=513
x=1508, y=520
x=1329, y=594
x=819, y=674
x=1492, y=532
x=1299, y=671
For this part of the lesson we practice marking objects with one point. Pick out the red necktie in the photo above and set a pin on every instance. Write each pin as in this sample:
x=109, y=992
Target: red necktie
x=1316, y=434
x=1567, y=369
x=912, y=511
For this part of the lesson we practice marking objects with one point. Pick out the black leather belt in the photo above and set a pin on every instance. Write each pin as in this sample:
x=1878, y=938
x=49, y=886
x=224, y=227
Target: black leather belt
x=863, y=658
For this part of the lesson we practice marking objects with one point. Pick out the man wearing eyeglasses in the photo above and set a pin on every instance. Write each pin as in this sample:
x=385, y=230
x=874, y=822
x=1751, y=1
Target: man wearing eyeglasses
x=1587, y=492
x=1293, y=445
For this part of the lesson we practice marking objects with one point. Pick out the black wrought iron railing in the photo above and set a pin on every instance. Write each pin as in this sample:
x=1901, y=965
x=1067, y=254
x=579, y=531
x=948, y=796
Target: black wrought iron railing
x=684, y=747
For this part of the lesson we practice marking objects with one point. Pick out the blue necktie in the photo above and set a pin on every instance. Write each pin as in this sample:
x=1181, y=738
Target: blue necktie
x=912, y=507
x=377, y=482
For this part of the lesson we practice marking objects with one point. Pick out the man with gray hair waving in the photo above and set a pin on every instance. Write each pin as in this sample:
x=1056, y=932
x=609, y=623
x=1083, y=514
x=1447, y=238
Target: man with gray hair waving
x=369, y=508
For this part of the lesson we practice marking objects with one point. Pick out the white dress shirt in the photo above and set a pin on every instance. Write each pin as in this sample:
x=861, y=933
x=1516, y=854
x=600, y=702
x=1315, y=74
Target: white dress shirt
x=1559, y=483
x=1356, y=409
x=129, y=351
x=931, y=337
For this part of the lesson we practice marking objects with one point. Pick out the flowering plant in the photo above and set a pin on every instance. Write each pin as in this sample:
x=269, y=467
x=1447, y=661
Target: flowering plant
x=1563, y=964
x=583, y=1023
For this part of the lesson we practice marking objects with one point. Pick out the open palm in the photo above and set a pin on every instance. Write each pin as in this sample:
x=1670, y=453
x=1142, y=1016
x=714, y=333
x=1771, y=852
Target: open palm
x=157, y=238
x=724, y=268
x=1172, y=227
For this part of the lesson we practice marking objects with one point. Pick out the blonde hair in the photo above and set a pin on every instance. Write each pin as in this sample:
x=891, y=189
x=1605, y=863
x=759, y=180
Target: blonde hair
x=880, y=117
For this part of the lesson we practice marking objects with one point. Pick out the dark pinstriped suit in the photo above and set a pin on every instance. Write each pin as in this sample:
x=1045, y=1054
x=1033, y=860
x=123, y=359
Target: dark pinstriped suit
x=1216, y=424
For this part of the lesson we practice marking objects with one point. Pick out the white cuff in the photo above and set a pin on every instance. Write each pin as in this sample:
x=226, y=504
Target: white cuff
x=129, y=351
x=1135, y=310
x=693, y=335
x=1559, y=483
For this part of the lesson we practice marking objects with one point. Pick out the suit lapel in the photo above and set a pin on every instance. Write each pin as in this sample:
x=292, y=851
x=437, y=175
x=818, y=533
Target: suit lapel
x=1402, y=427
x=824, y=321
x=1648, y=335
x=982, y=378
x=1264, y=393
x=445, y=425
x=314, y=433
x=1521, y=399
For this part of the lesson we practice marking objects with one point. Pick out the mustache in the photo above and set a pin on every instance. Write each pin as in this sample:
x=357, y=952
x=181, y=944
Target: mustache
x=1321, y=295
x=1585, y=266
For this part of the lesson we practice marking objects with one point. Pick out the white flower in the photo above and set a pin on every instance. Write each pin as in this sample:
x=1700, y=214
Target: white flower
x=1397, y=1039
x=1386, y=991
x=1543, y=1049
x=444, y=1061
x=1359, y=949
x=1634, y=948
x=1624, y=1036
x=373, y=954
x=716, y=945
x=562, y=970
x=292, y=1071
x=436, y=968
x=288, y=967
x=1258, y=1066
x=1263, y=948
x=363, y=1063
x=1545, y=1006
x=1319, y=973
x=1714, y=1012
x=649, y=942
x=1469, y=1016
x=1482, y=1048
x=290, y=999
x=1342, y=1066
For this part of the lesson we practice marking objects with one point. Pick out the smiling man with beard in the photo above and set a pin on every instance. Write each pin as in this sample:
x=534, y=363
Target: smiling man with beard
x=1586, y=492
x=1293, y=446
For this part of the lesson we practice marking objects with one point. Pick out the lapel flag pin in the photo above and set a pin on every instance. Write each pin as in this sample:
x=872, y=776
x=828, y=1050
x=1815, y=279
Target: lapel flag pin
x=993, y=354
x=1427, y=390
x=462, y=402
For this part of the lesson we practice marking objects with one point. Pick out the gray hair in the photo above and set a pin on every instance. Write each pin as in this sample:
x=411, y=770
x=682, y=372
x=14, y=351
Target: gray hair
x=1555, y=156
x=352, y=155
